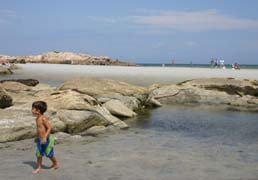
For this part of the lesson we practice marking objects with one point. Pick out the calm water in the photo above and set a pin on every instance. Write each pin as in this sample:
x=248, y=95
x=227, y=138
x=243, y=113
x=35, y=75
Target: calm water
x=227, y=127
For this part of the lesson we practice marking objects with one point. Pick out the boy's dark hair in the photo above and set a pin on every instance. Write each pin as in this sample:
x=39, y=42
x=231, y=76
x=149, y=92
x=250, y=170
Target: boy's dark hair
x=40, y=105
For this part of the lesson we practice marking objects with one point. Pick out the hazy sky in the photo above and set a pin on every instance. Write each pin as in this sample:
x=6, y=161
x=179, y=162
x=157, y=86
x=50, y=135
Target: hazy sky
x=149, y=31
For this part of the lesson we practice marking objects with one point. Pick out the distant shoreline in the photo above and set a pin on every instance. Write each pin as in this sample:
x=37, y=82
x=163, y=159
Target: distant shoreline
x=228, y=66
x=56, y=74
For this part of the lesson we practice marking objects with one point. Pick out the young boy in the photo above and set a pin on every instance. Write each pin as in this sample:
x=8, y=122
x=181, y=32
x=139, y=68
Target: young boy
x=44, y=141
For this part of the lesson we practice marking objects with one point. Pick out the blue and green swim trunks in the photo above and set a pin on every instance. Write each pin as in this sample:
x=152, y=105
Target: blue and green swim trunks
x=46, y=149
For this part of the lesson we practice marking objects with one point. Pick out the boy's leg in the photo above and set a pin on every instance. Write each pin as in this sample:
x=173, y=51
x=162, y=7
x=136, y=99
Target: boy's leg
x=55, y=163
x=39, y=164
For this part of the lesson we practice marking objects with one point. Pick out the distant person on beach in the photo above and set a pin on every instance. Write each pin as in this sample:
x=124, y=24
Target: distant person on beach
x=212, y=63
x=216, y=63
x=222, y=64
x=44, y=140
x=236, y=66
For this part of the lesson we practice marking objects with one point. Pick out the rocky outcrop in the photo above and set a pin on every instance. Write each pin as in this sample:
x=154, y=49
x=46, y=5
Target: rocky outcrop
x=233, y=93
x=88, y=106
x=73, y=108
x=65, y=58
x=20, y=124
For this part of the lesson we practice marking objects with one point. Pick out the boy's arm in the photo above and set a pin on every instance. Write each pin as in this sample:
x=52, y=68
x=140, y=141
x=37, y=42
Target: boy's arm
x=48, y=126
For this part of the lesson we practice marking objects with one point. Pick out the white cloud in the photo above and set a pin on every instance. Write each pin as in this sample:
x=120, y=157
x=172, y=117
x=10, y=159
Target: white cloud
x=195, y=21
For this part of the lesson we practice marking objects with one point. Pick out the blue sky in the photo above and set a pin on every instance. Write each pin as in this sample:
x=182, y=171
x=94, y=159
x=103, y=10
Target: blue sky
x=146, y=31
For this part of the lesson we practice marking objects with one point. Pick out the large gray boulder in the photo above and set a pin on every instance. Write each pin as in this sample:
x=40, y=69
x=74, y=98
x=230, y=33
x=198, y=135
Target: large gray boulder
x=22, y=95
x=104, y=90
x=20, y=124
x=69, y=100
x=131, y=102
x=79, y=121
x=118, y=108
x=109, y=117
x=95, y=87
x=14, y=86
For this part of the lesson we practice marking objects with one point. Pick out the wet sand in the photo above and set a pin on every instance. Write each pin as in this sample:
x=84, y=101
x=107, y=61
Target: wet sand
x=135, y=154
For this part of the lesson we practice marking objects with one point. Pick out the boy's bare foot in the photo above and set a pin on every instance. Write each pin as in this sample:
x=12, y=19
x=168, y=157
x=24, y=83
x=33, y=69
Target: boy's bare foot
x=54, y=166
x=36, y=171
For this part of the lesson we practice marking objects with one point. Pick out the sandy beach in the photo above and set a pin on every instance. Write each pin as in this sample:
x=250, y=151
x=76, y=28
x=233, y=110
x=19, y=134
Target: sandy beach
x=133, y=155
x=55, y=74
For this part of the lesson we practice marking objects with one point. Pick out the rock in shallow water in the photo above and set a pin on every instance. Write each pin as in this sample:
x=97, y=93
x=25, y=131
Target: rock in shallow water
x=118, y=108
x=95, y=130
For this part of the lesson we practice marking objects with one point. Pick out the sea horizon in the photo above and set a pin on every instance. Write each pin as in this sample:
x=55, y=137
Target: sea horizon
x=197, y=65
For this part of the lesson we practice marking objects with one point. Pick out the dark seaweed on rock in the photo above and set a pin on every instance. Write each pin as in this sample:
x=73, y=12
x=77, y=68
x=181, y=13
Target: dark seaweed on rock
x=27, y=82
x=181, y=83
x=5, y=100
x=255, y=83
x=234, y=90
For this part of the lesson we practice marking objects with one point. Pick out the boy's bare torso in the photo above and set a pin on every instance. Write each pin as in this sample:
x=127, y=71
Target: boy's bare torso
x=41, y=127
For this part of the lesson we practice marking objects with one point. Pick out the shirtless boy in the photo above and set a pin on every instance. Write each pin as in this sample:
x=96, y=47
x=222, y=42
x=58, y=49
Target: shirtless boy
x=44, y=140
